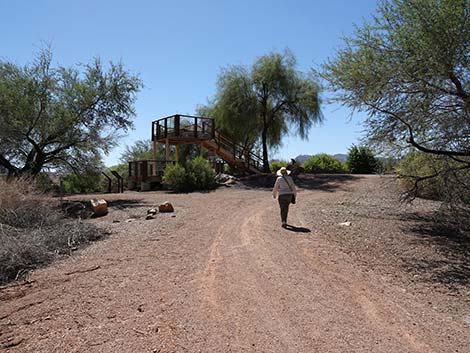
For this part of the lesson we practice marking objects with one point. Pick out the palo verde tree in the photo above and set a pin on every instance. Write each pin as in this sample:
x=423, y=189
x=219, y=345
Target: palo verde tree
x=61, y=117
x=409, y=69
x=264, y=103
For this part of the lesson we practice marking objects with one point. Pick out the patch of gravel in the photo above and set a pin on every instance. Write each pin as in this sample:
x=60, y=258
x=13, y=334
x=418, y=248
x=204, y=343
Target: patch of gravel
x=405, y=242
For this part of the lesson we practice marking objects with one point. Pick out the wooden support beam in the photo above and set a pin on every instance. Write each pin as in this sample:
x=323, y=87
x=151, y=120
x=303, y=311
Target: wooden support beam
x=154, y=150
x=167, y=150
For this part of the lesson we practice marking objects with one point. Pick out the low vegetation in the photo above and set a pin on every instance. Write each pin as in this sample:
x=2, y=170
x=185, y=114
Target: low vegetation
x=33, y=230
x=275, y=164
x=424, y=173
x=197, y=174
x=323, y=163
x=361, y=160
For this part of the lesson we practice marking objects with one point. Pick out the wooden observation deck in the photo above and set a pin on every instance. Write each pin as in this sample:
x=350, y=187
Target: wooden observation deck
x=179, y=129
x=187, y=129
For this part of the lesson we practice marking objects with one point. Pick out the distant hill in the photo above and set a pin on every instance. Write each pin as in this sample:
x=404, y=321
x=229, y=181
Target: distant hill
x=303, y=157
x=342, y=157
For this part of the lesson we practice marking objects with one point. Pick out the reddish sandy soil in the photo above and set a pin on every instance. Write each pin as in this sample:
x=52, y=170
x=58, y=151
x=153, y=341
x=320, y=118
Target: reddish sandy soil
x=221, y=275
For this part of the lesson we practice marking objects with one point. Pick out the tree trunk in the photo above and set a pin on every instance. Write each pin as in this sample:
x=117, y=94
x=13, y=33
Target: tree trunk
x=264, y=135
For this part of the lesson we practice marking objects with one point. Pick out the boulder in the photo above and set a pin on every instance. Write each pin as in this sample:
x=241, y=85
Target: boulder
x=230, y=182
x=222, y=178
x=99, y=207
x=166, y=207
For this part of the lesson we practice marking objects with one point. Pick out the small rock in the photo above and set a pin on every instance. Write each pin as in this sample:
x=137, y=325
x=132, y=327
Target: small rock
x=152, y=211
x=129, y=220
x=116, y=221
x=345, y=224
x=166, y=207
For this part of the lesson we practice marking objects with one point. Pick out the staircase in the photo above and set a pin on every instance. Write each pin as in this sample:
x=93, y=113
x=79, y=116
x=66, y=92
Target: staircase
x=234, y=154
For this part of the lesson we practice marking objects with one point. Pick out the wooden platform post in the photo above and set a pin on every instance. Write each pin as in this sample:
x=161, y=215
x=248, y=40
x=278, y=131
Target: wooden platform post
x=167, y=149
x=154, y=150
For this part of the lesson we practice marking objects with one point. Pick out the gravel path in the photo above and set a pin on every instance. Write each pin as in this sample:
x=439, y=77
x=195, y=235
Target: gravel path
x=221, y=275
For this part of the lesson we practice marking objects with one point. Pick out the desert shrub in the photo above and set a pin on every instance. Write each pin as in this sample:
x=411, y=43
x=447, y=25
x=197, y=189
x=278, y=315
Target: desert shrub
x=196, y=175
x=449, y=183
x=175, y=178
x=361, y=160
x=33, y=230
x=418, y=165
x=22, y=205
x=200, y=174
x=275, y=164
x=82, y=183
x=323, y=163
x=388, y=165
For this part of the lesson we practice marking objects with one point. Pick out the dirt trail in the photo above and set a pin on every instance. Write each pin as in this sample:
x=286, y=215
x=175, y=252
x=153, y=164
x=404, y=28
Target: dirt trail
x=221, y=276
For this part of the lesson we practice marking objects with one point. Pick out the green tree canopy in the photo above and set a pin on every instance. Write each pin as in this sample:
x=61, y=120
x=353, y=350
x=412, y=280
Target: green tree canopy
x=264, y=103
x=409, y=69
x=61, y=117
x=361, y=160
x=140, y=150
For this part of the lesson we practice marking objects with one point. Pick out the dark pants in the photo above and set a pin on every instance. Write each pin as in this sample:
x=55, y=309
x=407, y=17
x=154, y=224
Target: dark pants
x=284, y=202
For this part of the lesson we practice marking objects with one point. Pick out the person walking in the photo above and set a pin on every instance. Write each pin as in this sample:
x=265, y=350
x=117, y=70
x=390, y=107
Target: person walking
x=286, y=193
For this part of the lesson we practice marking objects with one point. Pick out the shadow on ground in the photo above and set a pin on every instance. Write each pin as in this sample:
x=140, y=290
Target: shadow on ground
x=82, y=208
x=323, y=182
x=298, y=229
x=450, y=241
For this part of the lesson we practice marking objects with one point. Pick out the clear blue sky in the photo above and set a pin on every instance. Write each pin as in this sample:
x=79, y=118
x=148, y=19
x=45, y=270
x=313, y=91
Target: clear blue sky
x=179, y=47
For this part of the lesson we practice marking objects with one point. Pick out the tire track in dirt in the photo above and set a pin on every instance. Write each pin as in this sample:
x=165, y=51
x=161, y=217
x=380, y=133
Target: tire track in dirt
x=234, y=283
x=382, y=314
x=223, y=276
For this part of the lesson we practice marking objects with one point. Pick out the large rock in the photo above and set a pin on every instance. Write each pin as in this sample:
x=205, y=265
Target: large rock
x=99, y=207
x=222, y=178
x=166, y=207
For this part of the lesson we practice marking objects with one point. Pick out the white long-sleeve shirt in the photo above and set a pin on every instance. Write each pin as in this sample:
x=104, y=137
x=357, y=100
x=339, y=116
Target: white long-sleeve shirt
x=281, y=187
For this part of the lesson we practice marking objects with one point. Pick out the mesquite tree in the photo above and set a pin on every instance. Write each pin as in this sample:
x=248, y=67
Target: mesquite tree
x=409, y=69
x=61, y=117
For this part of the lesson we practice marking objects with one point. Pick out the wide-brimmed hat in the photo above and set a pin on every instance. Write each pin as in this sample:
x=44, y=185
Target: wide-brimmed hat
x=283, y=170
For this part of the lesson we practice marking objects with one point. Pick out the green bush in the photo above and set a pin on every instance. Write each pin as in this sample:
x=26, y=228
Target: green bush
x=323, y=163
x=361, y=160
x=196, y=175
x=451, y=182
x=201, y=174
x=175, y=178
x=422, y=164
x=276, y=164
x=82, y=183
